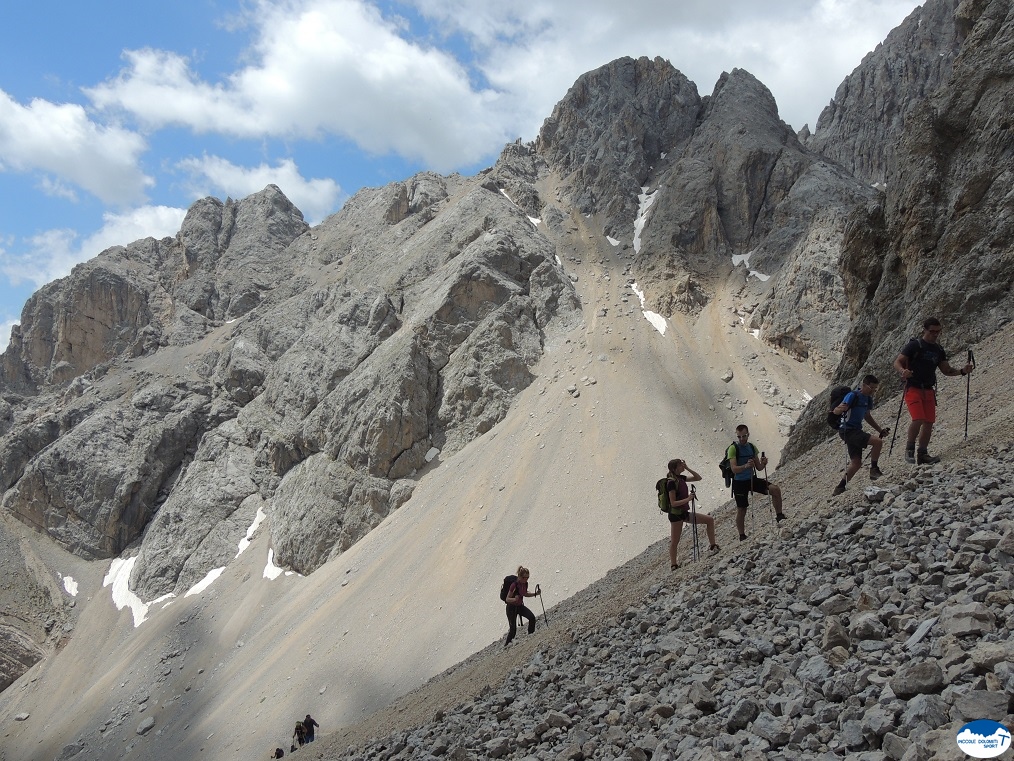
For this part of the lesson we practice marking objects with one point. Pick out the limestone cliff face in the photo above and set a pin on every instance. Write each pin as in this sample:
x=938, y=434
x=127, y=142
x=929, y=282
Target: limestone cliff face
x=612, y=127
x=133, y=299
x=940, y=243
x=859, y=128
x=170, y=390
x=725, y=177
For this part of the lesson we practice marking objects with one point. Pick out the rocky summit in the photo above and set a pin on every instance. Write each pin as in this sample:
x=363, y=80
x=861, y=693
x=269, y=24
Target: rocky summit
x=260, y=465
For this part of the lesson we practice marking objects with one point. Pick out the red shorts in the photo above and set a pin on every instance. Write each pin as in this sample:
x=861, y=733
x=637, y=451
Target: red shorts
x=922, y=404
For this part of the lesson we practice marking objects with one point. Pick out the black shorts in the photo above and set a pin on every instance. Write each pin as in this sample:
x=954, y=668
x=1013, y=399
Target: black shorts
x=741, y=490
x=856, y=439
x=681, y=517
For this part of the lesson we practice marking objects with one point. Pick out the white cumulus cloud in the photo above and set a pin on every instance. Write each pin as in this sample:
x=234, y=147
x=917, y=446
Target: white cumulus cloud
x=321, y=67
x=68, y=148
x=53, y=253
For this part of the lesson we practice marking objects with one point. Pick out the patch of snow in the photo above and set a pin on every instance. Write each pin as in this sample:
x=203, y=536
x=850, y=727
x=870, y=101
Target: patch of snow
x=271, y=571
x=807, y=397
x=755, y=333
x=744, y=259
x=204, y=583
x=119, y=577
x=70, y=585
x=535, y=221
x=245, y=541
x=504, y=193
x=657, y=321
x=644, y=202
x=612, y=241
x=230, y=322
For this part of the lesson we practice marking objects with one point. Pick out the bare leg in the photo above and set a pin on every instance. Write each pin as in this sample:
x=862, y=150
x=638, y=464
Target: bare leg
x=675, y=530
x=876, y=444
x=776, y=498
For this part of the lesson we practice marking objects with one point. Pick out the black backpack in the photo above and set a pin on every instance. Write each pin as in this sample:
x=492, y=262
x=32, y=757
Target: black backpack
x=507, y=581
x=838, y=394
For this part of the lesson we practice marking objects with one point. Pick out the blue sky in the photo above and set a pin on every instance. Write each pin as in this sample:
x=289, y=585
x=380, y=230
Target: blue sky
x=115, y=116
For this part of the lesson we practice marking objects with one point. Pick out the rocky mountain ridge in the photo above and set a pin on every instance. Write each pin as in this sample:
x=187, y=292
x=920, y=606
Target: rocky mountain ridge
x=170, y=394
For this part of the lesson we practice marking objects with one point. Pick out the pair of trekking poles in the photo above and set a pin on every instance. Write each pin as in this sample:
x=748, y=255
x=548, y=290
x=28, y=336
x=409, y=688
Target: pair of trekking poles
x=968, y=395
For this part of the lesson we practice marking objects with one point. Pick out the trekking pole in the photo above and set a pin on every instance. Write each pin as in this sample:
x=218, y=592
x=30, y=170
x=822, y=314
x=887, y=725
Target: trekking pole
x=968, y=388
x=752, y=492
x=897, y=421
x=538, y=591
x=693, y=518
x=771, y=500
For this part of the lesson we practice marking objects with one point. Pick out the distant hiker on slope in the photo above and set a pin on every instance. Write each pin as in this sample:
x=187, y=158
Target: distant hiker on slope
x=745, y=459
x=517, y=591
x=298, y=735
x=680, y=499
x=308, y=725
x=917, y=364
x=855, y=408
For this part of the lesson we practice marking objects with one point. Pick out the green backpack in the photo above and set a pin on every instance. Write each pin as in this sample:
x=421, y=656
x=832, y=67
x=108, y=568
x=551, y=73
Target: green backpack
x=661, y=486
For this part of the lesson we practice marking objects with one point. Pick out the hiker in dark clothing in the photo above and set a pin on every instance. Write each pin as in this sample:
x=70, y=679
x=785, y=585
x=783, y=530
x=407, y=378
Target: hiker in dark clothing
x=308, y=725
x=516, y=595
x=917, y=364
x=299, y=735
x=279, y=753
x=680, y=499
x=857, y=404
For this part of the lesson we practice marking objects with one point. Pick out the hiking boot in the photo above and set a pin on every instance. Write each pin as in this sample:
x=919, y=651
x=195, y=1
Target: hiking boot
x=839, y=489
x=910, y=456
x=742, y=537
x=875, y=472
x=779, y=517
x=925, y=458
x=714, y=548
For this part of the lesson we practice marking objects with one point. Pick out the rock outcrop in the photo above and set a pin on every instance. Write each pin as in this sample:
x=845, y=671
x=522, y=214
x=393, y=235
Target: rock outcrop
x=940, y=242
x=859, y=128
x=261, y=366
x=717, y=178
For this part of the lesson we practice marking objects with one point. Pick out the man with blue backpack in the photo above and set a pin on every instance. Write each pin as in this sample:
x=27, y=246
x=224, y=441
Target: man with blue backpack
x=744, y=461
x=854, y=409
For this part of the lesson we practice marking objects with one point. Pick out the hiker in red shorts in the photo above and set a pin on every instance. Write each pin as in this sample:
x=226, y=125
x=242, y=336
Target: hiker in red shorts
x=917, y=364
